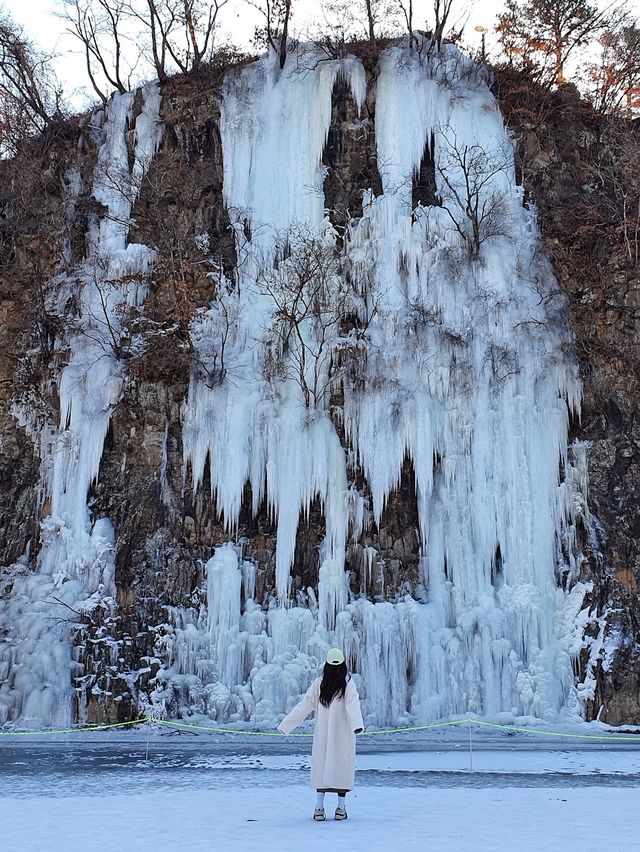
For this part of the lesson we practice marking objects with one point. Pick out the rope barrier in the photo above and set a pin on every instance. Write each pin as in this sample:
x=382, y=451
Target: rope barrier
x=78, y=730
x=450, y=723
x=613, y=737
x=516, y=729
x=171, y=724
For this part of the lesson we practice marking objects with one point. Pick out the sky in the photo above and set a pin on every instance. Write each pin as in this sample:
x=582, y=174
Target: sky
x=38, y=19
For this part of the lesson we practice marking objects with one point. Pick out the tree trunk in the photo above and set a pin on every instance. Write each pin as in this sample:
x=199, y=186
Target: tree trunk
x=285, y=34
x=158, y=59
x=372, y=34
x=559, y=66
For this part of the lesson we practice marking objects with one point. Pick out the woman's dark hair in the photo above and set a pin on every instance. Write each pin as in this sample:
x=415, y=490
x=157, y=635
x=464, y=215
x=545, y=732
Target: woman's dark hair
x=334, y=683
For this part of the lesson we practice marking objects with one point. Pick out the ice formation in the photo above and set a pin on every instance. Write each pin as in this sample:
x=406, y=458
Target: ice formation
x=455, y=357
x=463, y=368
x=76, y=560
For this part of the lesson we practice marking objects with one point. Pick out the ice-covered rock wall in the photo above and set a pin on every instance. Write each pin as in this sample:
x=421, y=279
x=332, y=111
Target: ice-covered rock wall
x=75, y=565
x=339, y=351
x=429, y=334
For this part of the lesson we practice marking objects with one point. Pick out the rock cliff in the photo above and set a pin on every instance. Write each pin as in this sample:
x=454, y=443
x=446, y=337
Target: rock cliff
x=166, y=529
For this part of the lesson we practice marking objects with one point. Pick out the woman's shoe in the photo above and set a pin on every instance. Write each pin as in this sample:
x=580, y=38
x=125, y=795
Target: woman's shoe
x=340, y=814
x=318, y=815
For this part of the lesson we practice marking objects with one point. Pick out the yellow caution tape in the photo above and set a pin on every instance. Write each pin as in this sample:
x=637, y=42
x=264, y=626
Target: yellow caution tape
x=450, y=723
x=627, y=738
x=78, y=730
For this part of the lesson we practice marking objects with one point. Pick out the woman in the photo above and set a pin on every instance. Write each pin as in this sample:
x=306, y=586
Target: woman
x=334, y=700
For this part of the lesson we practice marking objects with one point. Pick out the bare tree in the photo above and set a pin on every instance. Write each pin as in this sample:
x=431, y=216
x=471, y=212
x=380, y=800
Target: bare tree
x=406, y=8
x=372, y=18
x=180, y=31
x=211, y=347
x=441, y=14
x=30, y=96
x=104, y=312
x=476, y=205
x=303, y=287
x=545, y=33
x=321, y=313
x=382, y=17
x=274, y=32
x=200, y=21
x=616, y=77
x=99, y=26
x=503, y=363
x=371, y=21
x=121, y=38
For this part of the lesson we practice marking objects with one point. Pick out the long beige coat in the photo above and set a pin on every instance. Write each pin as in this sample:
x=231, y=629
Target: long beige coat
x=333, y=755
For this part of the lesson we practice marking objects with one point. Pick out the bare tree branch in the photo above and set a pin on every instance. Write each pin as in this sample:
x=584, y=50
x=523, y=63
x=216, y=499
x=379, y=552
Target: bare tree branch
x=30, y=97
x=475, y=205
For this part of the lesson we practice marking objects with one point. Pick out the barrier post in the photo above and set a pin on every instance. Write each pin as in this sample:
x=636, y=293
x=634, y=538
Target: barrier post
x=470, y=748
x=150, y=721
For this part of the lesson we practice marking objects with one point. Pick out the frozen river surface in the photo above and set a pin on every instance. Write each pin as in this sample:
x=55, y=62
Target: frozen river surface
x=193, y=792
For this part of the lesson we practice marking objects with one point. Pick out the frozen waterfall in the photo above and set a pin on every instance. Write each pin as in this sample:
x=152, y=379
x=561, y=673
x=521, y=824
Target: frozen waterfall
x=457, y=361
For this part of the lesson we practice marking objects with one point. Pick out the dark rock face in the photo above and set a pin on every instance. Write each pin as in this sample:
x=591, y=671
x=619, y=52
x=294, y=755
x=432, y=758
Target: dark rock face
x=166, y=532
x=31, y=217
x=19, y=470
x=350, y=155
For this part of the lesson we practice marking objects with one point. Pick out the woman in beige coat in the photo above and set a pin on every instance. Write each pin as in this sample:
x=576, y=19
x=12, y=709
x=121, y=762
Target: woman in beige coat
x=334, y=700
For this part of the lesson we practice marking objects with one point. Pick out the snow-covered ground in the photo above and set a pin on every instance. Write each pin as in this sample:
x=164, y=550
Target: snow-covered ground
x=193, y=792
x=241, y=819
